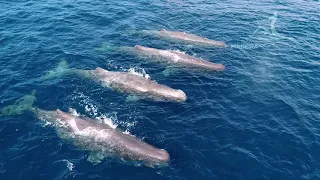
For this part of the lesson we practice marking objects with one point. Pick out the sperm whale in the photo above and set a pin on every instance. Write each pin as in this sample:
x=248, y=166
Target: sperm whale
x=126, y=82
x=179, y=58
x=186, y=37
x=99, y=139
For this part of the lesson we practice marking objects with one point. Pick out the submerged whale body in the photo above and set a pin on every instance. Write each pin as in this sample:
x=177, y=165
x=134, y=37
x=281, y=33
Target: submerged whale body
x=179, y=58
x=126, y=82
x=20, y=105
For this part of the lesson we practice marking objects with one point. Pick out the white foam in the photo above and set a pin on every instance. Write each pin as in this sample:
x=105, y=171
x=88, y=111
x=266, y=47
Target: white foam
x=126, y=132
x=128, y=126
x=174, y=57
x=85, y=101
x=104, y=119
x=182, y=52
x=46, y=123
x=69, y=164
x=138, y=72
x=109, y=119
x=91, y=109
x=73, y=112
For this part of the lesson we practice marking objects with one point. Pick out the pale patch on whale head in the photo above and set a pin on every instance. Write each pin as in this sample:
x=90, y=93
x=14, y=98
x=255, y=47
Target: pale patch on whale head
x=181, y=95
x=221, y=67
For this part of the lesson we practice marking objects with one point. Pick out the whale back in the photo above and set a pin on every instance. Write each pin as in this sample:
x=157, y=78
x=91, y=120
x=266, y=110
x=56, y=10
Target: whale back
x=191, y=38
x=75, y=123
x=182, y=35
x=147, y=50
x=137, y=85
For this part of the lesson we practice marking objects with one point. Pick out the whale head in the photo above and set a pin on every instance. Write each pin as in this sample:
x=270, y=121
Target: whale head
x=180, y=95
x=163, y=156
x=176, y=95
x=216, y=43
x=220, y=67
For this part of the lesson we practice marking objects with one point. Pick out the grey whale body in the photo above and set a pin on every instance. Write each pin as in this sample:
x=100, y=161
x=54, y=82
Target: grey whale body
x=102, y=140
x=138, y=85
x=187, y=37
x=124, y=82
x=99, y=139
x=179, y=59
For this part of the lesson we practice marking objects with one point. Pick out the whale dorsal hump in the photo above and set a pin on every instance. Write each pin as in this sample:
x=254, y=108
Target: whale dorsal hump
x=59, y=111
x=99, y=69
x=138, y=47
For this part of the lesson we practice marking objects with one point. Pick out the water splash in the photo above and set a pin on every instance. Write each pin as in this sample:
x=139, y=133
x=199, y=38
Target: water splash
x=140, y=72
x=108, y=121
x=69, y=164
x=73, y=112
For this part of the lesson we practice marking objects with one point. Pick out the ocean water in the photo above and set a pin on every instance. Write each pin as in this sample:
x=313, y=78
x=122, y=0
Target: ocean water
x=259, y=119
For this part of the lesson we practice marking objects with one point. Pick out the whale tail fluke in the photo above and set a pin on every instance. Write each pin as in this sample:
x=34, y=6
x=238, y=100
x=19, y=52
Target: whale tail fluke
x=59, y=71
x=20, y=106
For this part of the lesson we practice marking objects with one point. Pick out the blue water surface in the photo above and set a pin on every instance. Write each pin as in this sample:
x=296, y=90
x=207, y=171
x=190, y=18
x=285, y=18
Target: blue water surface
x=259, y=119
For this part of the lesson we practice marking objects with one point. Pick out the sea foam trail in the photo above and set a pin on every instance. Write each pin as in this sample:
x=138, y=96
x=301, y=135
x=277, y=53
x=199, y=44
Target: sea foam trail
x=109, y=119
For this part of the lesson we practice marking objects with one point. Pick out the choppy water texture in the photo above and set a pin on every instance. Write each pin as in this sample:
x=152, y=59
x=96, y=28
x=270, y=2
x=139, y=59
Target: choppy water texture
x=257, y=120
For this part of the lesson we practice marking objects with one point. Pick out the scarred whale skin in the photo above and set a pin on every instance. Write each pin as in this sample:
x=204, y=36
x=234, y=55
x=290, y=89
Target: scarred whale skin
x=190, y=38
x=179, y=58
x=137, y=85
